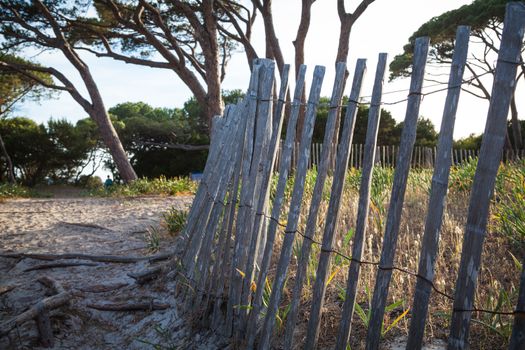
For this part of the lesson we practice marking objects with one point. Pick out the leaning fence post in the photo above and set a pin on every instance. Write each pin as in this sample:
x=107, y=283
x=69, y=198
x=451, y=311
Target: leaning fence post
x=408, y=137
x=438, y=192
x=245, y=198
x=488, y=163
x=295, y=209
x=259, y=234
x=315, y=203
x=363, y=206
x=334, y=208
x=284, y=169
x=517, y=339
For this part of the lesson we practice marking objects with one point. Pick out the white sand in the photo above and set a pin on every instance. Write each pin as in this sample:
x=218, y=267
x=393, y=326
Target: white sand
x=91, y=226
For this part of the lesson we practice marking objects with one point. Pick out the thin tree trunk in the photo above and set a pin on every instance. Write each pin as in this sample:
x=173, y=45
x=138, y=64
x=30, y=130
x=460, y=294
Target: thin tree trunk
x=516, y=127
x=347, y=22
x=10, y=170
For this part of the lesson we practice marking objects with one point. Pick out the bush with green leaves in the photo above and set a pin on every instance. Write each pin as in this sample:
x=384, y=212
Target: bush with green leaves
x=158, y=186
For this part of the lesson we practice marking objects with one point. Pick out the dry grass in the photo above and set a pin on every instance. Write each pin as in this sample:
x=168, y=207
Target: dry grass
x=498, y=280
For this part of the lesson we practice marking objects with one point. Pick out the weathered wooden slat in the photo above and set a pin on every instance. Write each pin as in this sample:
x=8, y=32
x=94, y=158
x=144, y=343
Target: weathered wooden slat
x=364, y=204
x=257, y=130
x=408, y=137
x=284, y=168
x=438, y=193
x=219, y=130
x=235, y=278
x=333, y=207
x=234, y=192
x=517, y=339
x=209, y=185
x=205, y=254
x=259, y=177
x=315, y=203
x=295, y=208
x=259, y=235
x=488, y=163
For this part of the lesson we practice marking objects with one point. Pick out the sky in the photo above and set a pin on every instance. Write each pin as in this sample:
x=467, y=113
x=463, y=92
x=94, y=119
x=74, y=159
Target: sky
x=384, y=27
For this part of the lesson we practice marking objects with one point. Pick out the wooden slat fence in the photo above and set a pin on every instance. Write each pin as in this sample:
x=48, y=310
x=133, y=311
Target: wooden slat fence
x=231, y=236
x=422, y=157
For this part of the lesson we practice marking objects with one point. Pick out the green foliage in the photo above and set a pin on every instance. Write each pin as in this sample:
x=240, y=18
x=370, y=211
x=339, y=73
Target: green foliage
x=175, y=220
x=151, y=135
x=152, y=238
x=462, y=175
x=59, y=151
x=388, y=133
x=16, y=87
x=442, y=31
x=426, y=134
x=365, y=312
x=510, y=206
x=143, y=186
x=498, y=300
x=14, y=191
x=470, y=142
x=382, y=180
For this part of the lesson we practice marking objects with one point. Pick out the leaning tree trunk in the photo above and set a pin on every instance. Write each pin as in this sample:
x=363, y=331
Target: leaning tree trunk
x=97, y=111
x=10, y=169
x=111, y=140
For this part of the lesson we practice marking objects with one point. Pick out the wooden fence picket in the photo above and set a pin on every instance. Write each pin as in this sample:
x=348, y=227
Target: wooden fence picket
x=230, y=239
x=334, y=206
x=264, y=193
x=509, y=57
x=315, y=202
x=396, y=199
x=438, y=192
x=363, y=206
x=295, y=208
x=284, y=168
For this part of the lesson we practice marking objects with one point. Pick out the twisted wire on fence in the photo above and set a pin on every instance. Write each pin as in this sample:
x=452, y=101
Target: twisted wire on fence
x=344, y=256
x=386, y=103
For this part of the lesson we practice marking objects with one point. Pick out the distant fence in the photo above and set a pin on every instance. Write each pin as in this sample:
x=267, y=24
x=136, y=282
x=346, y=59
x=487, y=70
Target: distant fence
x=231, y=229
x=422, y=157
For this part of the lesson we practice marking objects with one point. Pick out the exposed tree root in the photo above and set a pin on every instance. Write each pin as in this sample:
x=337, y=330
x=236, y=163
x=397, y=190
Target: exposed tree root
x=129, y=306
x=55, y=265
x=98, y=258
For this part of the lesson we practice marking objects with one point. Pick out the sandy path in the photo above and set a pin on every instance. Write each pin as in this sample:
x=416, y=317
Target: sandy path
x=90, y=226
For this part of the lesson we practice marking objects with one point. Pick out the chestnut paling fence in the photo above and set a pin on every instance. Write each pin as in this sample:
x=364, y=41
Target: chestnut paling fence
x=232, y=227
x=422, y=156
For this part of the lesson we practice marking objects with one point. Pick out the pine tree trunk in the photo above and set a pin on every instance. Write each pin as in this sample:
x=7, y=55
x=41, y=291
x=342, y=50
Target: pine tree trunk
x=10, y=170
x=112, y=142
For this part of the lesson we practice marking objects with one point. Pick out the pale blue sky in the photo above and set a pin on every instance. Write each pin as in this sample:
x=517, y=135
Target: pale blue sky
x=385, y=27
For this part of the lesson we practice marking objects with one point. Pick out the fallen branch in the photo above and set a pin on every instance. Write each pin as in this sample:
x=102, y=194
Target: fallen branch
x=81, y=224
x=129, y=306
x=146, y=275
x=39, y=308
x=7, y=288
x=54, y=265
x=97, y=258
x=101, y=288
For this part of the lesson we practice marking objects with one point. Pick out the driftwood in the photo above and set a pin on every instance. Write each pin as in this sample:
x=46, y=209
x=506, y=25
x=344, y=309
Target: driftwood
x=101, y=288
x=98, y=258
x=7, y=288
x=129, y=306
x=82, y=224
x=54, y=265
x=39, y=311
x=147, y=275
